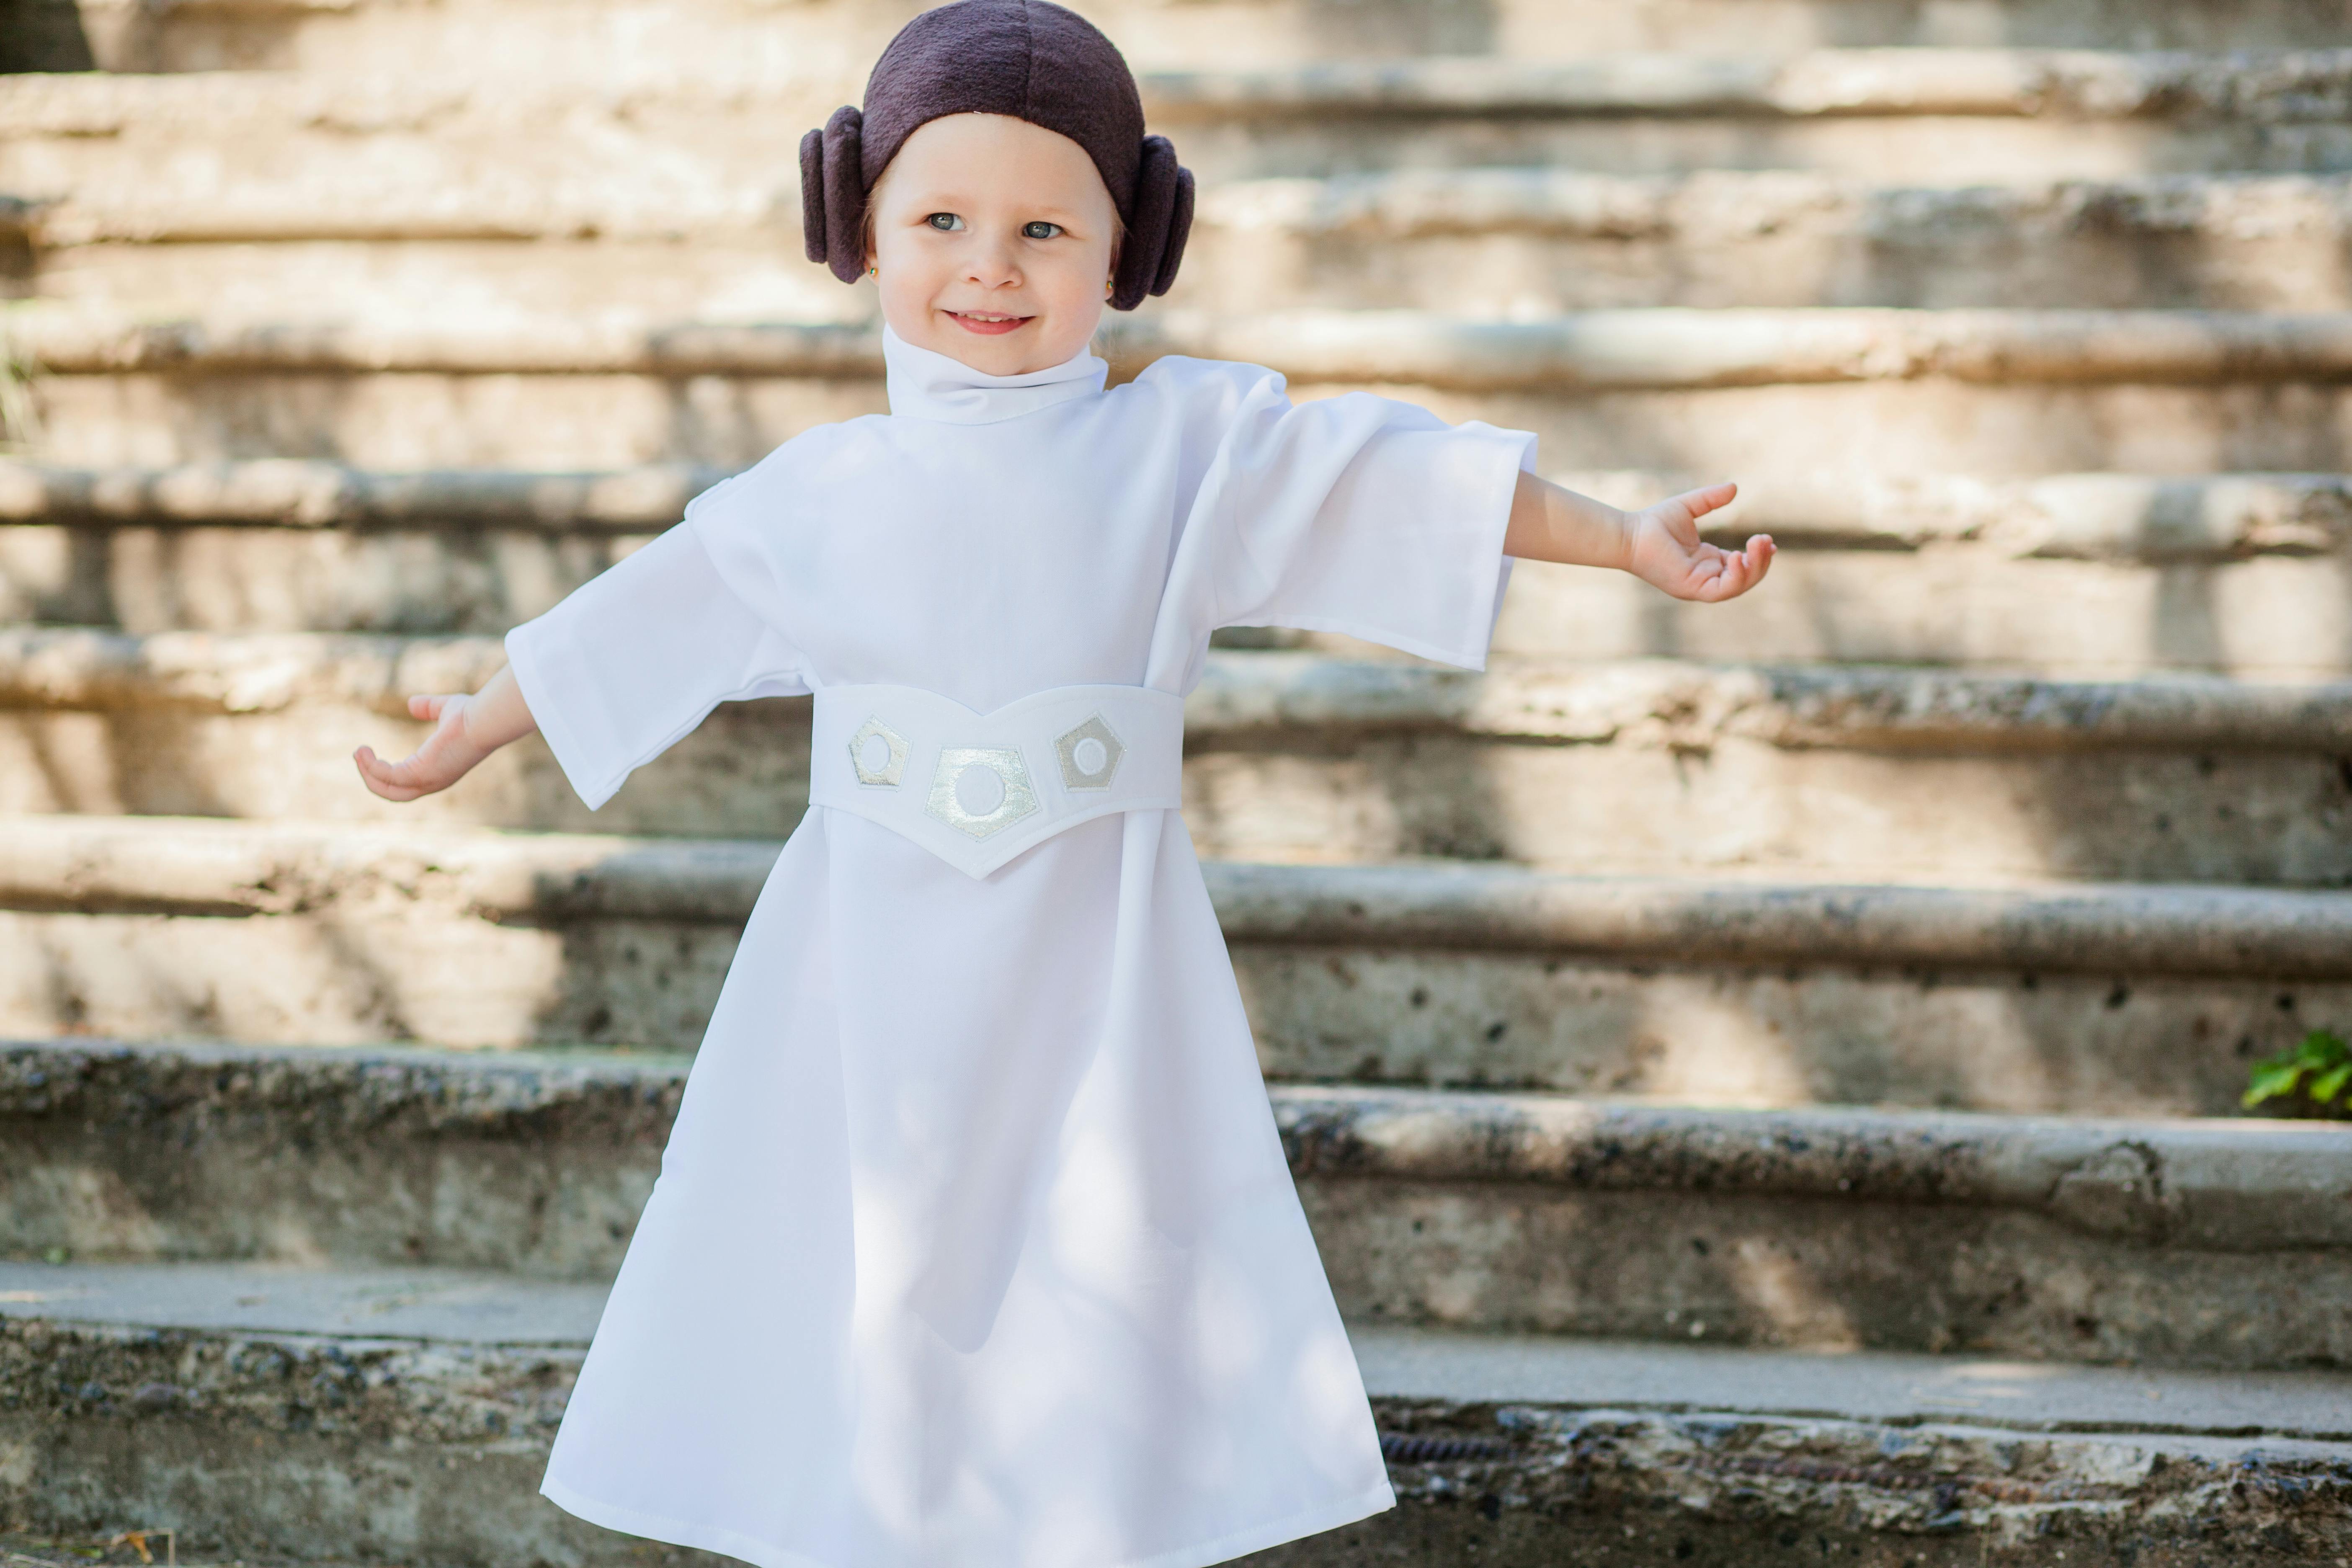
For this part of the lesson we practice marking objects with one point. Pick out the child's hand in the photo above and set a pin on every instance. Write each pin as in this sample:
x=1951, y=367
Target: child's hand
x=465, y=730
x=444, y=757
x=1664, y=548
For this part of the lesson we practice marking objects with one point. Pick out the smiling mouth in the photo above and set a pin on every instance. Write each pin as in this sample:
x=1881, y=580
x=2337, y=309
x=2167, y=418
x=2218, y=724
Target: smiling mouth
x=987, y=321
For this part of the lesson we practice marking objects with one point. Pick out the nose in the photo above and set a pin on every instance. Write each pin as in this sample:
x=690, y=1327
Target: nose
x=989, y=263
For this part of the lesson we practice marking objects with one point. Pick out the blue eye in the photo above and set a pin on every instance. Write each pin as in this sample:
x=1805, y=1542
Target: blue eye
x=1040, y=230
x=947, y=223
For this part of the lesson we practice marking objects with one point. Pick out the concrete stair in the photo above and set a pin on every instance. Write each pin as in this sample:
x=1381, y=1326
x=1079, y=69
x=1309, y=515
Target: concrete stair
x=1521, y=242
x=841, y=35
x=1703, y=1041
x=1984, y=114
x=1842, y=770
x=2070, y=997
x=2219, y=1243
x=403, y=1416
x=2094, y=575
x=371, y=1276
x=1779, y=394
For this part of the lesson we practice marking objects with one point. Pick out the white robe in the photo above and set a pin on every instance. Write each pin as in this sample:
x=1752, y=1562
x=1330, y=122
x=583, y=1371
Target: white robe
x=974, y=1245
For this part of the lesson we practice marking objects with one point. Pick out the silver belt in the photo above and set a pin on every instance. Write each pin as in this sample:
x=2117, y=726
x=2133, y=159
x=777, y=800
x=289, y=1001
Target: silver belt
x=976, y=789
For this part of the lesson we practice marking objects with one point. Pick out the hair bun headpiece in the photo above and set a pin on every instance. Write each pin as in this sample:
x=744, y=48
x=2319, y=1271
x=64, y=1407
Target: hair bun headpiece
x=1029, y=60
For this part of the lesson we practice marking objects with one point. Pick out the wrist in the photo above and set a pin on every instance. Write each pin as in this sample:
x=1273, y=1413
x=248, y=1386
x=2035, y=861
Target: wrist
x=1626, y=527
x=472, y=725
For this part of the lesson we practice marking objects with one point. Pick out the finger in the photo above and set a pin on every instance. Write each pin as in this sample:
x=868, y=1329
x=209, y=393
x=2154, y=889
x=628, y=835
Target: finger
x=423, y=769
x=1742, y=570
x=428, y=705
x=1697, y=503
x=375, y=774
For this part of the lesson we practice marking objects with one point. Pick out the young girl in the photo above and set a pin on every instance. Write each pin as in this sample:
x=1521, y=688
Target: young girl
x=974, y=1245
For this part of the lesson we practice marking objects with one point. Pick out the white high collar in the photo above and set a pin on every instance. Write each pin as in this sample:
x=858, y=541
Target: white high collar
x=927, y=385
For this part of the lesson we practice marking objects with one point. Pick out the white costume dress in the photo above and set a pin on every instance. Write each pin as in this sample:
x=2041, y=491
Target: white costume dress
x=974, y=1245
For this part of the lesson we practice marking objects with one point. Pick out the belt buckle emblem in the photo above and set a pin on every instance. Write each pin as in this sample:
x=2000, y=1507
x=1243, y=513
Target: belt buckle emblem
x=979, y=764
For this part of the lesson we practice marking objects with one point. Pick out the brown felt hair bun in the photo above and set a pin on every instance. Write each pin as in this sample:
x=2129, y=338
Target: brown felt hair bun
x=1029, y=60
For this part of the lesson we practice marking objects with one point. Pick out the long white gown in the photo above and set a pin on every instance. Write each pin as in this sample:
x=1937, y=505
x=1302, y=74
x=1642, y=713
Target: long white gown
x=974, y=1245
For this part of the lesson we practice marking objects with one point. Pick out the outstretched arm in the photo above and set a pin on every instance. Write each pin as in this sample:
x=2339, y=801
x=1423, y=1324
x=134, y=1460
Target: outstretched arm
x=1659, y=544
x=466, y=729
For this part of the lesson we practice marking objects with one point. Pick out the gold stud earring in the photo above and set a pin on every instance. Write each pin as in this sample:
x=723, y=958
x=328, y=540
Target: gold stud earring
x=873, y=272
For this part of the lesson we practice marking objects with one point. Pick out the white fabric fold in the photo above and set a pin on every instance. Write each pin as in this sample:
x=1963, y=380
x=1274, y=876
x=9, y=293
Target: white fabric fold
x=923, y=384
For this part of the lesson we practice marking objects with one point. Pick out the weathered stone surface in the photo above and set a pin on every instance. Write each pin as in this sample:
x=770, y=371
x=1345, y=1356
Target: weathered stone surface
x=2108, y=999
x=1535, y=241
x=2220, y=1186
x=2094, y=516
x=595, y=42
x=1518, y=242
x=292, y=493
x=1925, y=425
x=533, y=1163
x=2059, y=84
x=2089, y=575
x=1613, y=1489
x=1248, y=695
x=1584, y=351
x=2263, y=617
x=1837, y=1228
x=675, y=142
x=1696, y=1028
x=296, y=1447
x=1821, y=771
x=330, y=1444
x=2073, y=84
x=1821, y=1273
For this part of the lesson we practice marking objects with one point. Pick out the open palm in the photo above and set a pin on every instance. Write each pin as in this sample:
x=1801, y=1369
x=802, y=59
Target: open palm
x=440, y=762
x=1668, y=553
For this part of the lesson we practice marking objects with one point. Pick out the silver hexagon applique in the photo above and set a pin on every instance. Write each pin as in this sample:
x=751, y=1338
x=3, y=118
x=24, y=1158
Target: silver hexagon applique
x=878, y=768
x=966, y=774
x=1089, y=754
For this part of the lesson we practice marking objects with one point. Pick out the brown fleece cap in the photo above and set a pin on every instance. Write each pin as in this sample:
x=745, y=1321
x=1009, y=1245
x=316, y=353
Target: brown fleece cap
x=1028, y=59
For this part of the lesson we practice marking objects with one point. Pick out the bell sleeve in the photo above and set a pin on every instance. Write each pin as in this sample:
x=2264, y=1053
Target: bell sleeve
x=636, y=657
x=1362, y=515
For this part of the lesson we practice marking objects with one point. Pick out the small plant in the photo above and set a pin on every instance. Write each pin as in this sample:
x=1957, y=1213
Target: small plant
x=2316, y=1073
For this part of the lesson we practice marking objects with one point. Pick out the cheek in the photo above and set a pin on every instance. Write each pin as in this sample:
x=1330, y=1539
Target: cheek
x=911, y=271
x=1082, y=276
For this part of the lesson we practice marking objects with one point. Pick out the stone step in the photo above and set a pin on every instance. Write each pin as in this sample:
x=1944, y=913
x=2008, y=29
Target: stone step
x=603, y=41
x=1763, y=393
x=1807, y=770
x=2092, y=998
x=1531, y=242
x=679, y=139
x=1825, y=1228
x=247, y=1407
x=1518, y=242
x=2099, y=576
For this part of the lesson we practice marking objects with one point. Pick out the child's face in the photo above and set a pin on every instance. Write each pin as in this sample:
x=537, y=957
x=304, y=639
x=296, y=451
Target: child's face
x=994, y=240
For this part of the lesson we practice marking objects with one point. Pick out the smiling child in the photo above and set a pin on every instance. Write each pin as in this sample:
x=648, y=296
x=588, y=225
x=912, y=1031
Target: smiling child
x=974, y=1243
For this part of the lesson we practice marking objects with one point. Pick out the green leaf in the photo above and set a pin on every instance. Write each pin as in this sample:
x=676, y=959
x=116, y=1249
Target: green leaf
x=2319, y=1049
x=2272, y=1078
x=2323, y=1048
x=2327, y=1086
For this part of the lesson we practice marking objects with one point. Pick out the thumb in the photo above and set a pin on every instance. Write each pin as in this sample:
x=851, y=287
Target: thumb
x=1697, y=503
